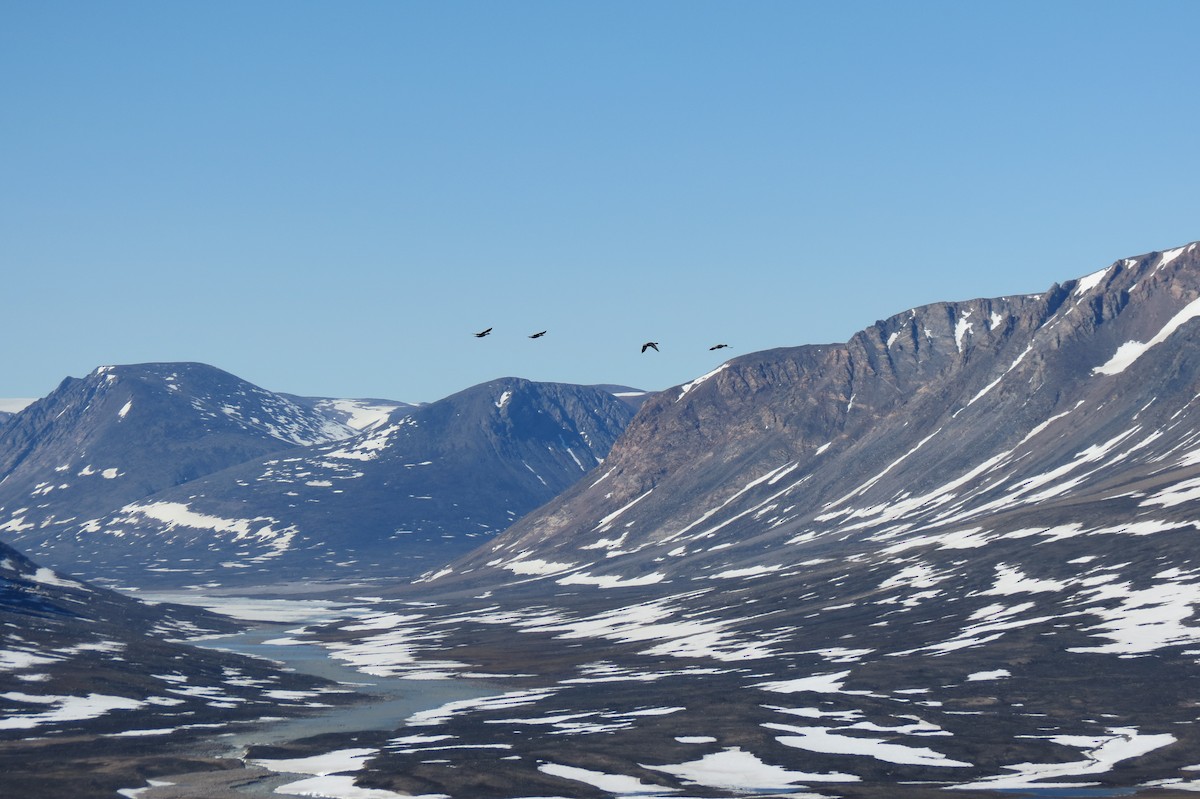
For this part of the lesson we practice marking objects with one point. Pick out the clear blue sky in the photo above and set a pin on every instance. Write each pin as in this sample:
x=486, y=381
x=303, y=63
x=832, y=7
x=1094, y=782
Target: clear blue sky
x=329, y=198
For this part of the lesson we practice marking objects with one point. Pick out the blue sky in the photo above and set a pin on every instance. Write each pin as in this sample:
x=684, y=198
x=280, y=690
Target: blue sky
x=330, y=198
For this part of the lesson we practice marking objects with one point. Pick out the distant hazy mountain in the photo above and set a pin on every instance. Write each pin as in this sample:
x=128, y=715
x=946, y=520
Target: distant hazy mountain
x=10, y=407
x=959, y=550
x=88, y=677
x=151, y=477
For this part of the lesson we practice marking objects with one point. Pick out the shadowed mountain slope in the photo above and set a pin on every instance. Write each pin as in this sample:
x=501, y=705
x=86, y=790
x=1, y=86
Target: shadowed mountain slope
x=125, y=432
x=418, y=486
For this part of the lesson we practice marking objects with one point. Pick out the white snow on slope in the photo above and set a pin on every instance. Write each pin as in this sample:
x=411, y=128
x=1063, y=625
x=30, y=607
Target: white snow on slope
x=769, y=478
x=367, y=446
x=1183, y=492
x=604, y=523
x=867, y=485
x=1011, y=580
x=961, y=328
x=743, y=771
x=49, y=577
x=328, y=763
x=816, y=683
x=1128, y=353
x=537, y=566
x=1170, y=255
x=611, y=581
x=65, y=708
x=612, y=783
x=361, y=414
x=1099, y=755
x=1090, y=282
x=443, y=713
x=1143, y=620
x=824, y=740
x=175, y=515
x=326, y=781
x=996, y=382
x=679, y=634
x=19, y=659
x=689, y=386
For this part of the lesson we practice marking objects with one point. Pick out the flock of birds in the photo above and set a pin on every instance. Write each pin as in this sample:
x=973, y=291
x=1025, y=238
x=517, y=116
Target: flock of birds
x=649, y=345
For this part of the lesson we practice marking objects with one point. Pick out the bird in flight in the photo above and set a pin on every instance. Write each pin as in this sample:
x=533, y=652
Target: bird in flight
x=650, y=345
x=717, y=347
x=538, y=335
x=483, y=333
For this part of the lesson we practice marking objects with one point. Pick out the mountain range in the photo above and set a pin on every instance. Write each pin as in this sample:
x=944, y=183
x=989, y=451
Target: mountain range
x=957, y=552
x=172, y=474
x=953, y=556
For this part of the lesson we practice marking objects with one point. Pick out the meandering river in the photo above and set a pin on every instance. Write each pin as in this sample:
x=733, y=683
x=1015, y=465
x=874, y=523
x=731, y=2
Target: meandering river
x=396, y=699
x=393, y=699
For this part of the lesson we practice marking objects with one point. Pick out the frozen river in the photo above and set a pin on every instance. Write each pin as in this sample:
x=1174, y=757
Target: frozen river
x=389, y=701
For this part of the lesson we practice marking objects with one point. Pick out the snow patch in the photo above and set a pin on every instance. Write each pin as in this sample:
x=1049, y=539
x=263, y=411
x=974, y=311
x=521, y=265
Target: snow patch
x=734, y=769
x=49, y=577
x=1088, y=283
x=1099, y=754
x=611, y=581
x=689, y=386
x=961, y=328
x=66, y=708
x=610, y=783
x=1128, y=353
x=824, y=740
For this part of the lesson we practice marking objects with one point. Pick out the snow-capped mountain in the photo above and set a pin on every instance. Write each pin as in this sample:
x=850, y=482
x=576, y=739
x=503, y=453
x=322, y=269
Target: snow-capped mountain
x=411, y=488
x=88, y=677
x=124, y=432
x=957, y=552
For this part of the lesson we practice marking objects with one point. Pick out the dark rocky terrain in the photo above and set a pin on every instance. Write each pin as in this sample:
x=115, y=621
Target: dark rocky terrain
x=97, y=691
x=957, y=553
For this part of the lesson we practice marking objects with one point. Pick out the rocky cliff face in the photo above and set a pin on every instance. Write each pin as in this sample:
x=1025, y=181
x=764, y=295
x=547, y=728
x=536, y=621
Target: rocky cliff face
x=980, y=407
x=957, y=551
